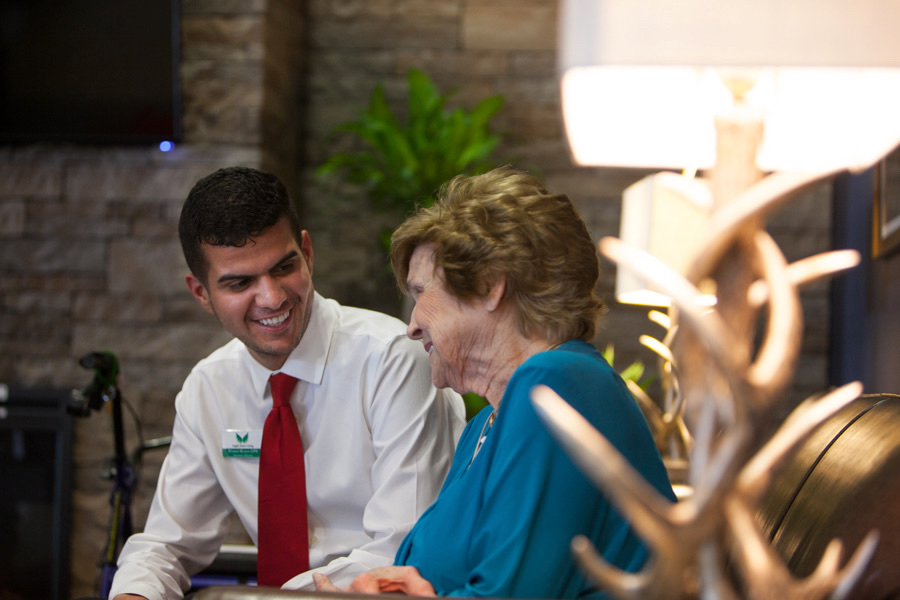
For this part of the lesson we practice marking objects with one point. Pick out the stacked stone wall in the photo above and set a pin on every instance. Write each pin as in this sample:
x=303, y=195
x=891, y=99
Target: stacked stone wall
x=89, y=257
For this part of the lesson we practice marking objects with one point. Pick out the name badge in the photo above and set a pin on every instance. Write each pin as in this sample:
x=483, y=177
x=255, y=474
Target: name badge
x=239, y=443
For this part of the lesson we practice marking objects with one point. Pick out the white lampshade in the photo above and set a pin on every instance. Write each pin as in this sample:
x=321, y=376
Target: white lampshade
x=665, y=215
x=642, y=80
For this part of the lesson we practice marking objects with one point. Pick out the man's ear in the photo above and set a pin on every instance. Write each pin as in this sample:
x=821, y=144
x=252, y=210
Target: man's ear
x=198, y=291
x=306, y=249
x=497, y=291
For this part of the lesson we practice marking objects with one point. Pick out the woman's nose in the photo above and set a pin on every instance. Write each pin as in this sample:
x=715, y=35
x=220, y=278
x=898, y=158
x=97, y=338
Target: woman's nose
x=413, y=331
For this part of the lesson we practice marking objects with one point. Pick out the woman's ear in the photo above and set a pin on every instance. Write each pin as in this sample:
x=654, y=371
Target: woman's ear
x=496, y=293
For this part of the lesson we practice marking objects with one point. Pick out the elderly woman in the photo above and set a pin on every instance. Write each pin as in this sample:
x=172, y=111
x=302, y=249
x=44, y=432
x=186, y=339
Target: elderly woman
x=503, y=274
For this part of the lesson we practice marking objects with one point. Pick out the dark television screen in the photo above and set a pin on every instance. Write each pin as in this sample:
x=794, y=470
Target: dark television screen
x=89, y=71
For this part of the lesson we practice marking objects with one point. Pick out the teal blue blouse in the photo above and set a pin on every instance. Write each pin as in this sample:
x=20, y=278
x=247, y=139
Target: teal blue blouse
x=502, y=523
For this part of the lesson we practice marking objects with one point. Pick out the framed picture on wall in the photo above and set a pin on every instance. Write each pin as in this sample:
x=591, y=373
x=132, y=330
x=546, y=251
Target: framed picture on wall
x=886, y=206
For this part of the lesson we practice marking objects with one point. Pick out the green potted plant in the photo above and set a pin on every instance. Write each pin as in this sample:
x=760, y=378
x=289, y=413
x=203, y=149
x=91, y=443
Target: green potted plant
x=403, y=162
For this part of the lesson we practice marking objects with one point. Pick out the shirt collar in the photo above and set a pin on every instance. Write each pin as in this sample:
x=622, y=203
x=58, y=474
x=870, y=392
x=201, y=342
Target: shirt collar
x=307, y=361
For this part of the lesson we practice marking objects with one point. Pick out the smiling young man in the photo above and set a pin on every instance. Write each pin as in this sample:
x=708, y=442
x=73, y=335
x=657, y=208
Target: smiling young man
x=377, y=436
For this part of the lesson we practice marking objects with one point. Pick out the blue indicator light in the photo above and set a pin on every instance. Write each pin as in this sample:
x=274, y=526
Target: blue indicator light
x=166, y=146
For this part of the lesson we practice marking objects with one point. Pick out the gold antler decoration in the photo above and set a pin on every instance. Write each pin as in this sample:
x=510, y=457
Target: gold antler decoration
x=721, y=384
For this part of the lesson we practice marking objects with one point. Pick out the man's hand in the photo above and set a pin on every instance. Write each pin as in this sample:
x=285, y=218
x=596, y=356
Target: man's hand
x=383, y=580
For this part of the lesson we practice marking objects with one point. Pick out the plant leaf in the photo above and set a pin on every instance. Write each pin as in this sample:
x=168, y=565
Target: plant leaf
x=402, y=163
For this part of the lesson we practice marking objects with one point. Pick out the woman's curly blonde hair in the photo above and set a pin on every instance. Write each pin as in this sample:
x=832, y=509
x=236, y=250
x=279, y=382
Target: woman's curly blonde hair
x=506, y=222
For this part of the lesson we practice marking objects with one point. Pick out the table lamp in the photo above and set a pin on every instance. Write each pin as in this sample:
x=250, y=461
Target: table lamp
x=770, y=97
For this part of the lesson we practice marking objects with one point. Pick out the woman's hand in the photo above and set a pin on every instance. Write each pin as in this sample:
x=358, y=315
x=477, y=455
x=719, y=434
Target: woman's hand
x=323, y=583
x=383, y=580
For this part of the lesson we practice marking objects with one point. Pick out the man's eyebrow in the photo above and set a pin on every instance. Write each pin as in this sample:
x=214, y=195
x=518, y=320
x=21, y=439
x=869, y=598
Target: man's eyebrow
x=289, y=256
x=236, y=276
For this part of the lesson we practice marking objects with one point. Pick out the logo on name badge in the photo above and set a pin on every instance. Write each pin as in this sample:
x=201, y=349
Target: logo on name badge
x=239, y=443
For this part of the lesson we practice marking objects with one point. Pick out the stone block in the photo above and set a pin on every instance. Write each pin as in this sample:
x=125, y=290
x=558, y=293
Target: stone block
x=465, y=63
x=222, y=7
x=158, y=382
x=29, y=301
x=117, y=308
x=335, y=62
x=542, y=122
x=385, y=33
x=527, y=153
x=529, y=91
x=204, y=158
x=95, y=429
x=471, y=91
x=361, y=9
x=533, y=63
x=118, y=181
x=52, y=255
x=148, y=218
x=76, y=217
x=230, y=125
x=222, y=30
x=32, y=179
x=183, y=308
x=57, y=370
x=526, y=25
x=348, y=9
x=35, y=333
x=148, y=265
x=7, y=369
x=51, y=282
x=339, y=96
x=161, y=342
x=12, y=218
x=33, y=347
x=432, y=9
x=216, y=95
x=151, y=228
x=593, y=188
x=199, y=57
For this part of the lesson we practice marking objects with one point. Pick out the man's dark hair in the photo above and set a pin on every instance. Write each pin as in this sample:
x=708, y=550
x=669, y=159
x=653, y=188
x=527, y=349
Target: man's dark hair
x=229, y=208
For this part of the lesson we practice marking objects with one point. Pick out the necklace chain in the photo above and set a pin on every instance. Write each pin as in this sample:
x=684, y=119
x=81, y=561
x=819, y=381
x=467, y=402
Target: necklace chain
x=483, y=435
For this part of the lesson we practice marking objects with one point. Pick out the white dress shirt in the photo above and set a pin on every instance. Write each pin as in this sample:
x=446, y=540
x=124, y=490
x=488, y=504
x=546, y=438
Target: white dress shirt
x=378, y=440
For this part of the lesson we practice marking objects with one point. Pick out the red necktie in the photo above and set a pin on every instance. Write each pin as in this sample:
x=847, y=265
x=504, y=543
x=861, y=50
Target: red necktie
x=283, y=540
